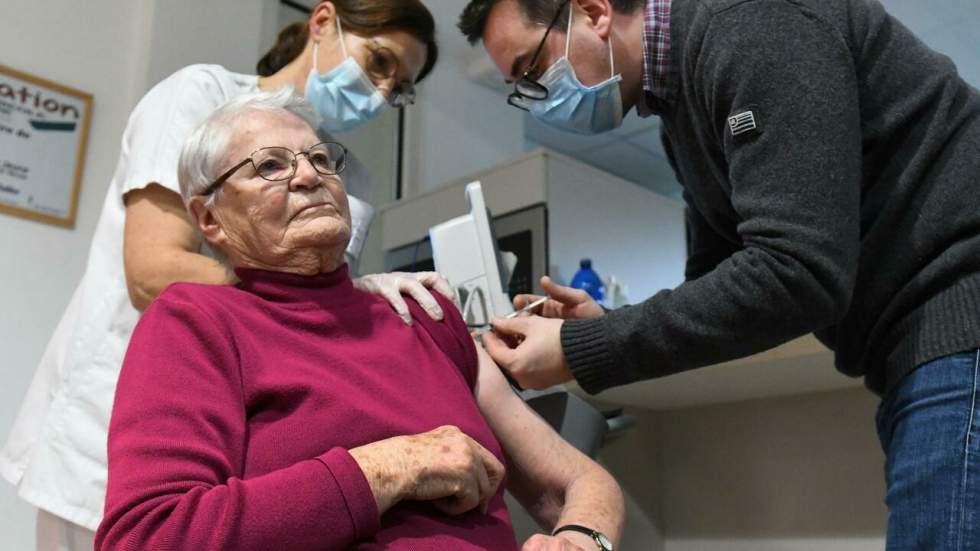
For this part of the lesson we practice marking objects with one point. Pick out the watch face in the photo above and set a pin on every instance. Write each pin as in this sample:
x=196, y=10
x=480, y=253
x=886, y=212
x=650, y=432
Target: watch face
x=603, y=541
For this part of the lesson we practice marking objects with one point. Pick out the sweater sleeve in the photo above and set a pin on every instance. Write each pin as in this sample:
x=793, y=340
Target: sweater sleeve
x=451, y=336
x=177, y=449
x=706, y=247
x=795, y=186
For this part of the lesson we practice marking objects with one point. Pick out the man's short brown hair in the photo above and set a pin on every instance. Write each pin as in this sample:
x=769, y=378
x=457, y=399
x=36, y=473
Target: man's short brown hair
x=473, y=20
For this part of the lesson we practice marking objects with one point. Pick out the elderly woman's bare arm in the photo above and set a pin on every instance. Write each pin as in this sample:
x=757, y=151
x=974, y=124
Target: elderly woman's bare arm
x=556, y=483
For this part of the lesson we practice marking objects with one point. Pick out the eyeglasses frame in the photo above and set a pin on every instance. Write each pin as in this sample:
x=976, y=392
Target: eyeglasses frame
x=517, y=98
x=231, y=171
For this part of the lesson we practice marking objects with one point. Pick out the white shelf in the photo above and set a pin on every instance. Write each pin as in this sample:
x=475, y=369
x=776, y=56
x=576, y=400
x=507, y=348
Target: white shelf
x=798, y=367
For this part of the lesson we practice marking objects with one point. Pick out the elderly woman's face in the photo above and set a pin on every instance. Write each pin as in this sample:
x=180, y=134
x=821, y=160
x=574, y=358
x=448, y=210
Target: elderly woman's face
x=271, y=223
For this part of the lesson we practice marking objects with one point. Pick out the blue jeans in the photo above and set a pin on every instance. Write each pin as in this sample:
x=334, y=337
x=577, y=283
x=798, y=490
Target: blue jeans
x=930, y=430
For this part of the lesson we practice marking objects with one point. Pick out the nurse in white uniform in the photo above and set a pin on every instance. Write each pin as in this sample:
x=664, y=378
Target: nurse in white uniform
x=351, y=59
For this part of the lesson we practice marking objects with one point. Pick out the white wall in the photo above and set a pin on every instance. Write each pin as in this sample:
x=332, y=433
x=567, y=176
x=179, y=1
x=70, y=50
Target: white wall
x=457, y=127
x=182, y=32
x=113, y=50
x=42, y=263
x=629, y=232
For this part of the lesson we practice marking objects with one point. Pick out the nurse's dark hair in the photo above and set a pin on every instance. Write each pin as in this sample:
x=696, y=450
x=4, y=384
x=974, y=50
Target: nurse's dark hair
x=363, y=17
x=473, y=20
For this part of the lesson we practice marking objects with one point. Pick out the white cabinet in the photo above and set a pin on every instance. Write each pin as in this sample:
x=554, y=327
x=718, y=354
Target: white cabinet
x=800, y=366
x=627, y=231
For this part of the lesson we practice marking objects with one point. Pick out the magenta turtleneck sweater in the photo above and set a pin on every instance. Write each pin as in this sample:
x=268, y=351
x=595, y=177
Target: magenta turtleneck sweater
x=236, y=406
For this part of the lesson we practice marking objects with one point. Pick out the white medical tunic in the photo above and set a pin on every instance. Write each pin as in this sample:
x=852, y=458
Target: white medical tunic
x=56, y=452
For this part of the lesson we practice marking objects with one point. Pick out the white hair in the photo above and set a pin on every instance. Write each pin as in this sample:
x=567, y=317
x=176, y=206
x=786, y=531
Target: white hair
x=204, y=149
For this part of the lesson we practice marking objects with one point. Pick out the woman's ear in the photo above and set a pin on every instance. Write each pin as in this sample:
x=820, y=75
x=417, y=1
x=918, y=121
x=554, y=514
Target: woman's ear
x=322, y=24
x=202, y=215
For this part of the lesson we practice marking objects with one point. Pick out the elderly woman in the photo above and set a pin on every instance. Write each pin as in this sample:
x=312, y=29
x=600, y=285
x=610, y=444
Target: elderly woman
x=351, y=59
x=289, y=412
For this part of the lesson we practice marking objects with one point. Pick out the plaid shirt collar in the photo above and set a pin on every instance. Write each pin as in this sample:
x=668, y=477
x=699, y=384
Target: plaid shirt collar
x=657, y=81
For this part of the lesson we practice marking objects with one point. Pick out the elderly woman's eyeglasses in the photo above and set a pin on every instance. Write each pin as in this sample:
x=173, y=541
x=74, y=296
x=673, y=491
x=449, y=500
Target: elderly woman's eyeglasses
x=277, y=164
x=527, y=89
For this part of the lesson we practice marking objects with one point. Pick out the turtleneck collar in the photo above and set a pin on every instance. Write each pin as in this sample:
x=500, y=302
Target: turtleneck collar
x=294, y=288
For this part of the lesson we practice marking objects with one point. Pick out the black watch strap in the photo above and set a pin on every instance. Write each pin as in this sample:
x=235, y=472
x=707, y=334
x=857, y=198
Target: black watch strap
x=598, y=537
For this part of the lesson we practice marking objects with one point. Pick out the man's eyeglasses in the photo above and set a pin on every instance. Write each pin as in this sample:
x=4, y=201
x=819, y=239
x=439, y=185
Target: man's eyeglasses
x=279, y=163
x=527, y=89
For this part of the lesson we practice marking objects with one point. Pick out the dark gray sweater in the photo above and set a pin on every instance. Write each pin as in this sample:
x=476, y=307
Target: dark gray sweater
x=851, y=210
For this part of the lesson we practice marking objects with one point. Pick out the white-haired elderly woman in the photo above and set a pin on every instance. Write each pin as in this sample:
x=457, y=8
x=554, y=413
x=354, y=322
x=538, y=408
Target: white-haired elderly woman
x=292, y=411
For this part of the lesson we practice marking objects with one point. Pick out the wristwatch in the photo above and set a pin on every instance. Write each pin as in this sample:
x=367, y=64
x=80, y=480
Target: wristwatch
x=599, y=538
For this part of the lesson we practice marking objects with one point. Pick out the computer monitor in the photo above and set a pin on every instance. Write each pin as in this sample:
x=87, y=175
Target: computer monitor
x=465, y=252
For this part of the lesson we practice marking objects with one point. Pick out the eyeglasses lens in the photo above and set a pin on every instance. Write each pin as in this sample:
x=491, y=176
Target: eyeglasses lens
x=278, y=163
x=382, y=63
x=531, y=90
x=328, y=158
x=274, y=163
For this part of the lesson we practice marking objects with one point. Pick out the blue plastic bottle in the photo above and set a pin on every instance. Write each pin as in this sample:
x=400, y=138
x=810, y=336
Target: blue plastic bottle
x=586, y=279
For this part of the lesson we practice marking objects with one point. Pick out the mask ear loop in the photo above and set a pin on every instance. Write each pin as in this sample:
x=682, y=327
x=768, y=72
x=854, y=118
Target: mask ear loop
x=568, y=31
x=612, y=64
x=316, y=58
x=340, y=31
x=316, y=47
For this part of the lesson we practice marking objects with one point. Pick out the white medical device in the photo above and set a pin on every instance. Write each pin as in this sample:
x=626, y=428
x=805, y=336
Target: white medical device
x=465, y=252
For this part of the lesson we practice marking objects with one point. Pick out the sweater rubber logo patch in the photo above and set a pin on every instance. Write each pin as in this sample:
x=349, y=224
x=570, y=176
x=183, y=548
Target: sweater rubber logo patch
x=742, y=123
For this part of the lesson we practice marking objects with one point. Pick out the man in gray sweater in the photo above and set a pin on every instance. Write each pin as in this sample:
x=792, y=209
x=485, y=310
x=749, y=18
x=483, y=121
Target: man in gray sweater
x=830, y=162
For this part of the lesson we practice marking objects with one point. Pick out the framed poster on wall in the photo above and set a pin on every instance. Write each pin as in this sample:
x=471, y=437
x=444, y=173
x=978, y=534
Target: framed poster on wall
x=43, y=133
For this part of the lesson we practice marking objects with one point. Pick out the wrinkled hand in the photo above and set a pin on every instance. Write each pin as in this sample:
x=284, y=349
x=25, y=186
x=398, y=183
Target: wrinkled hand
x=393, y=285
x=566, y=303
x=564, y=541
x=443, y=466
x=529, y=349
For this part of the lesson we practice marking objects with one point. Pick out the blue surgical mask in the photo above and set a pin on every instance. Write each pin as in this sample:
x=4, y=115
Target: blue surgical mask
x=573, y=107
x=344, y=97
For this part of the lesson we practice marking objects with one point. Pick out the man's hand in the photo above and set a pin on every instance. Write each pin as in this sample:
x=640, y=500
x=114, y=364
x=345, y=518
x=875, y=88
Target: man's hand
x=417, y=285
x=566, y=303
x=565, y=541
x=536, y=361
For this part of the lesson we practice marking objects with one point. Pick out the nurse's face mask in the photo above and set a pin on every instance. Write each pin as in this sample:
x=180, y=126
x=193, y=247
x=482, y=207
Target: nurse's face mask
x=345, y=97
x=570, y=105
